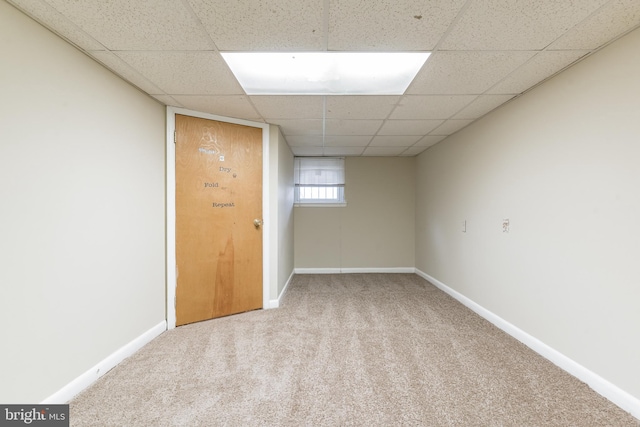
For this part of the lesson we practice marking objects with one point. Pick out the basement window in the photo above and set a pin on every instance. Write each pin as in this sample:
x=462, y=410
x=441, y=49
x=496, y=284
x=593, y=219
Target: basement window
x=319, y=181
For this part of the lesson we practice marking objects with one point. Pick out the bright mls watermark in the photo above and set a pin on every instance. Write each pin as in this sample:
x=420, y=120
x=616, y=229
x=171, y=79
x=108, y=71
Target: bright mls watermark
x=34, y=415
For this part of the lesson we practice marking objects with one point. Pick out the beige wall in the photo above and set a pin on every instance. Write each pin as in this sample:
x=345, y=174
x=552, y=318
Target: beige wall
x=374, y=230
x=82, y=217
x=281, y=207
x=562, y=163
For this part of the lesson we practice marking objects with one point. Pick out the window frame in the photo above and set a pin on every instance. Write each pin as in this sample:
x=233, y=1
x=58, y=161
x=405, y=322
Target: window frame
x=338, y=201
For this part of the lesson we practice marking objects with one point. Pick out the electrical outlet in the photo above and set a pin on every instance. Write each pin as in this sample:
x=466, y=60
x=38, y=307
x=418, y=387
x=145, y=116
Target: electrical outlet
x=464, y=226
x=505, y=225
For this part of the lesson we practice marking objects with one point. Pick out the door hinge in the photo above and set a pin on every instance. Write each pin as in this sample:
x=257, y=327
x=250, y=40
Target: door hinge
x=174, y=137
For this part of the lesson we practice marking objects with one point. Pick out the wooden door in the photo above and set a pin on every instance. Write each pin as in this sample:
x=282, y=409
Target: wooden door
x=218, y=219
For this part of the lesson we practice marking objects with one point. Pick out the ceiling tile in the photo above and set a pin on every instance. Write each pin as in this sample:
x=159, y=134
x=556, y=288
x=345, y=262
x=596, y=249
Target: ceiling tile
x=360, y=107
x=482, y=105
x=268, y=25
x=430, y=106
x=394, y=141
x=307, y=151
x=609, y=22
x=352, y=127
x=465, y=72
x=299, y=126
x=288, y=107
x=408, y=127
x=237, y=106
x=343, y=151
x=137, y=25
x=362, y=25
x=541, y=66
x=125, y=71
x=346, y=141
x=450, y=126
x=384, y=151
x=492, y=50
x=52, y=19
x=429, y=140
x=185, y=73
x=305, y=140
x=413, y=151
x=516, y=25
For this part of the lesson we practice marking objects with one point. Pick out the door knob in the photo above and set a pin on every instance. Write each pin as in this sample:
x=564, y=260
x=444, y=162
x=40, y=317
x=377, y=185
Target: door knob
x=257, y=222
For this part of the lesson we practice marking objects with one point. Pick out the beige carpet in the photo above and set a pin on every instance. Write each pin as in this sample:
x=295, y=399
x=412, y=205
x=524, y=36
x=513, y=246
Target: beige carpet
x=357, y=349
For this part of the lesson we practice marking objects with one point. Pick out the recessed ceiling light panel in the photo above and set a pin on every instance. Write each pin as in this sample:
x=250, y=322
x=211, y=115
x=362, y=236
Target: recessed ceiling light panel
x=325, y=73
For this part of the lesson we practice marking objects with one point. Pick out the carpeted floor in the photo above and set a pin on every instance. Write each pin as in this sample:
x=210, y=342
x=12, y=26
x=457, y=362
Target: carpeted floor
x=344, y=350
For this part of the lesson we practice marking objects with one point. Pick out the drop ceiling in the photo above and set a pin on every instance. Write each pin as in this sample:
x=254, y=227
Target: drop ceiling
x=485, y=53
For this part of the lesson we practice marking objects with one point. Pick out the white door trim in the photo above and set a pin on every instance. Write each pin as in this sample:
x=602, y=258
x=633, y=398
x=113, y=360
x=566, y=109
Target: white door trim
x=171, y=204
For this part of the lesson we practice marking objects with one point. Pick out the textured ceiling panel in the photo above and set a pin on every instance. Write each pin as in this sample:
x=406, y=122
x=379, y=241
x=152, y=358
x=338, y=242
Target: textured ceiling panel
x=516, y=25
x=537, y=69
x=408, y=127
x=237, y=106
x=364, y=25
x=137, y=25
x=485, y=52
x=305, y=140
x=266, y=25
x=299, y=127
x=394, y=141
x=124, y=70
x=413, y=151
x=608, y=23
x=288, y=107
x=346, y=141
x=384, y=151
x=429, y=140
x=482, y=105
x=450, y=126
x=43, y=12
x=343, y=151
x=359, y=107
x=185, y=73
x=307, y=151
x=465, y=72
x=430, y=106
x=352, y=127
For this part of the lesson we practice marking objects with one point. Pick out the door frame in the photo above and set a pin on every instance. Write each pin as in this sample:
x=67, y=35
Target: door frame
x=171, y=204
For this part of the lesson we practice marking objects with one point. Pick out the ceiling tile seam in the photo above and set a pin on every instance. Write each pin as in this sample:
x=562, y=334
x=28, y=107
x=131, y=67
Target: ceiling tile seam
x=374, y=135
x=203, y=27
x=436, y=48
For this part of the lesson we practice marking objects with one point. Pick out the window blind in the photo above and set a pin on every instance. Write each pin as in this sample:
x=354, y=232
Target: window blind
x=319, y=171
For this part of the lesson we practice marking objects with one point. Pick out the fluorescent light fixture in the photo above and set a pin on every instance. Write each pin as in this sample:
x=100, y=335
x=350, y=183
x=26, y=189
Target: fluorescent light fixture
x=325, y=73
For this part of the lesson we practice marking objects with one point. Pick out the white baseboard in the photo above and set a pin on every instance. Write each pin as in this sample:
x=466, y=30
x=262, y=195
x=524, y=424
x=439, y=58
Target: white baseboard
x=610, y=391
x=68, y=392
x=354, y=270
x=275, y=303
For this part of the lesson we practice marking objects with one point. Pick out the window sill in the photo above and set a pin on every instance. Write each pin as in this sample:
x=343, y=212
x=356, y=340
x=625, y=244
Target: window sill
x=320, y=205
